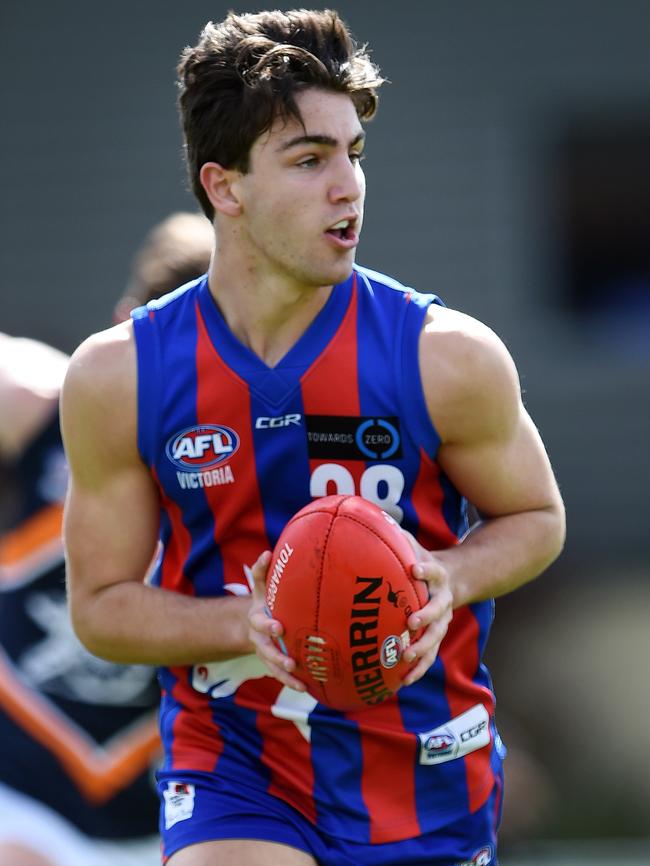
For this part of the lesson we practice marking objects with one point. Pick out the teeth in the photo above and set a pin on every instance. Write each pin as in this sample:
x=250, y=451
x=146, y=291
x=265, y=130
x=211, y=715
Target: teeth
x=341, y=224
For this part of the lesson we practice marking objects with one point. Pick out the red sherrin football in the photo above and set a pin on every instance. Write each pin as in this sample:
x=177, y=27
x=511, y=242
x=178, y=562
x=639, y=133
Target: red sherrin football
x=340, y=583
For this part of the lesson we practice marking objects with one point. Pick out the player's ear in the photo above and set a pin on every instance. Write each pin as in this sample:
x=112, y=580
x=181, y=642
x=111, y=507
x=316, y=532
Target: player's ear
x=219, y=185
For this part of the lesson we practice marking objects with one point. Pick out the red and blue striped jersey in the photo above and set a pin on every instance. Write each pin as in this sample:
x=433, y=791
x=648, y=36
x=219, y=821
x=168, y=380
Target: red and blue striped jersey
x=236, y=448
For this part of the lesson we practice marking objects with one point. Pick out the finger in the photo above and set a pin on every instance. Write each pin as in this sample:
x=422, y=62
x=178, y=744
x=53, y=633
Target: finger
x=430, y=572
x=439, y=606
x=420, y=669
x=286, y=678
x=280, y=665
x=430, y=639
x=272, y=654
x=258, y=572
x=261, y=621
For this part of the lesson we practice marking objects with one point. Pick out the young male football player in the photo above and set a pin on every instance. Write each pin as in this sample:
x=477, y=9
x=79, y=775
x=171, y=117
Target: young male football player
x=242, y=398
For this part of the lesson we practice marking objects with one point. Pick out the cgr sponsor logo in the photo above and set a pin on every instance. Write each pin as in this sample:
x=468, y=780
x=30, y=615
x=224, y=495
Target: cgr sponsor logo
x=474, y=731
x=266, y=423
x=197, y=448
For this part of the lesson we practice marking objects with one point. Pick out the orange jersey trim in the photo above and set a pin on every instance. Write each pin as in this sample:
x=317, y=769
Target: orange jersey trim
x=33, y=545
x=99, y=772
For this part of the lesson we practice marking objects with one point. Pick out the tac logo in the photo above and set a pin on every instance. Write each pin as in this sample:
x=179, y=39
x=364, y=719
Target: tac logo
x=440, y=744
x=377, y=439
x=197, y=448
x=353, y=437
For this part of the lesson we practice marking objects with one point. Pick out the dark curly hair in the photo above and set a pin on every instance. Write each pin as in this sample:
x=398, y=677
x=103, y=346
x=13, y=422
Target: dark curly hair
x=247, y=70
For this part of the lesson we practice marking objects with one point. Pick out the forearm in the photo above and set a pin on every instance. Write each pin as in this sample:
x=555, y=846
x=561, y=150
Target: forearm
x=133, y=623
x=503, y=553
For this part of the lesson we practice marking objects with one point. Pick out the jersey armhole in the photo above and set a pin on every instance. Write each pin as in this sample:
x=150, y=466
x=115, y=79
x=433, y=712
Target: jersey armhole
x=409, y=378
x=148, y=367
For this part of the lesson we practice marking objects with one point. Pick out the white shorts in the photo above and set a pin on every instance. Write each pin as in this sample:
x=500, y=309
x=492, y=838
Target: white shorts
x=29, y=823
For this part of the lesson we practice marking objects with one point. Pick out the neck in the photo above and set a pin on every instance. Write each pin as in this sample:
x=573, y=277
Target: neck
x=266, y=312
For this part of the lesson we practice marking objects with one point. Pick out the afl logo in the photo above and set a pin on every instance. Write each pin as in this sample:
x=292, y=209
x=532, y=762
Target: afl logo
x=391, y=651
x=197, y=448
x=440, y=744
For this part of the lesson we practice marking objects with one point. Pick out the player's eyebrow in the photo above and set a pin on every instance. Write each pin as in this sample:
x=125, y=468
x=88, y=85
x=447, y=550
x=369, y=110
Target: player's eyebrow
x=324, y=140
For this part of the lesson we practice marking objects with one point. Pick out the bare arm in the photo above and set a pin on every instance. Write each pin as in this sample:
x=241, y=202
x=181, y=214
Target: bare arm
x=30, y=379
x=111, y=525
x=493, y=454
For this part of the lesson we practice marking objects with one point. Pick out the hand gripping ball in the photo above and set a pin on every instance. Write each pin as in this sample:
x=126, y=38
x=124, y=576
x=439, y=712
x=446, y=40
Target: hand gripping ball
x=340, y=583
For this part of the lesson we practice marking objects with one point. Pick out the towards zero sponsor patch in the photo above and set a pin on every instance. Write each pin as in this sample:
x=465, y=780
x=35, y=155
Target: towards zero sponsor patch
x=347, y=437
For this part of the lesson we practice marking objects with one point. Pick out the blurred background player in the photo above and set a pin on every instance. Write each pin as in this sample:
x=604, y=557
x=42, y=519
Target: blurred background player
x=78, y=735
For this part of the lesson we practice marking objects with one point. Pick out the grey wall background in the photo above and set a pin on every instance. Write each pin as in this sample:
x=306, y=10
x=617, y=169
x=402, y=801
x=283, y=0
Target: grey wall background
x=463, y=199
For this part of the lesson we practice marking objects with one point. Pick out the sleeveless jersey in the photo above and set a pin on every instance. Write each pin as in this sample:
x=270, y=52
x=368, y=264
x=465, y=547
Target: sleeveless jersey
x=76, y=733
x=236, y=448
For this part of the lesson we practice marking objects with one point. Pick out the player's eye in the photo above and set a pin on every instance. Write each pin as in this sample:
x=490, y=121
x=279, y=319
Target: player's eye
x=308, y=162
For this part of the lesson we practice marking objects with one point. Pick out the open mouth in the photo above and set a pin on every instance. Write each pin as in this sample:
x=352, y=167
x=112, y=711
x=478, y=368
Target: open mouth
x=343, y=230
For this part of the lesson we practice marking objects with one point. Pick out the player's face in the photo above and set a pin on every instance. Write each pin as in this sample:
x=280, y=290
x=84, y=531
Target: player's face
x=303, y=195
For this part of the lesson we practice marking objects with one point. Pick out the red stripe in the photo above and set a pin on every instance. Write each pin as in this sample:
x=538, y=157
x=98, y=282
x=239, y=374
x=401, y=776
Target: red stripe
x=459, y=655
x=393, y=769
x=333, y=381
x=239, y=525
x=196, y=742
x=428, y=498
x=285, y=751
x=178, y=546
x=459, y=649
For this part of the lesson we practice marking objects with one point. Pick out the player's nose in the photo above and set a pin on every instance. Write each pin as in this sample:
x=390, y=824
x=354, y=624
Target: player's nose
x=348, y=181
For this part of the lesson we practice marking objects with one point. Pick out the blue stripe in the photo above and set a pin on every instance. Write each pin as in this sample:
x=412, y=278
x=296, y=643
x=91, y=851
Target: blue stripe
x=281, y=459
x=149, y=379
x=424, y=706
x=484, y=614
x=242, y=743
x=337, y=755
x=175, y=323
x=169, y=711
x=454, y=507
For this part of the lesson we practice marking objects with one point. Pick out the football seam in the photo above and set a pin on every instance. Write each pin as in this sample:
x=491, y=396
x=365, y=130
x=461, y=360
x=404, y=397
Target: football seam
x=321, y=569
x=356, y=520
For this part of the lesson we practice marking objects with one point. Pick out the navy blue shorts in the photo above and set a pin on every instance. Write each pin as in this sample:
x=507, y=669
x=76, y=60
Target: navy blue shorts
x=196, y=807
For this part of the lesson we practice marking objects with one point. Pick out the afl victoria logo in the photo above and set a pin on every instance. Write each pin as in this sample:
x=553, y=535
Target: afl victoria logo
x=197, y=448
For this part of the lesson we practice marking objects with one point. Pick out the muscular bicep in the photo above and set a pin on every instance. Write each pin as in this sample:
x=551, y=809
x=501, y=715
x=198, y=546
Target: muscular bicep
x=502, y=474
x=110, y=531
x=112, y=508
x=490, y=448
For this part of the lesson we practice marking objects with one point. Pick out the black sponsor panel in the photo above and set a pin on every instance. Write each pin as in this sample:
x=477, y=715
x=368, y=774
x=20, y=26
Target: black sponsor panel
x=352, y=437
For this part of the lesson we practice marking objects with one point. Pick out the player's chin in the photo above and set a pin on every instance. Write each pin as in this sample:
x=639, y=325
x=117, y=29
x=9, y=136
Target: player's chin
x=337, y=272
